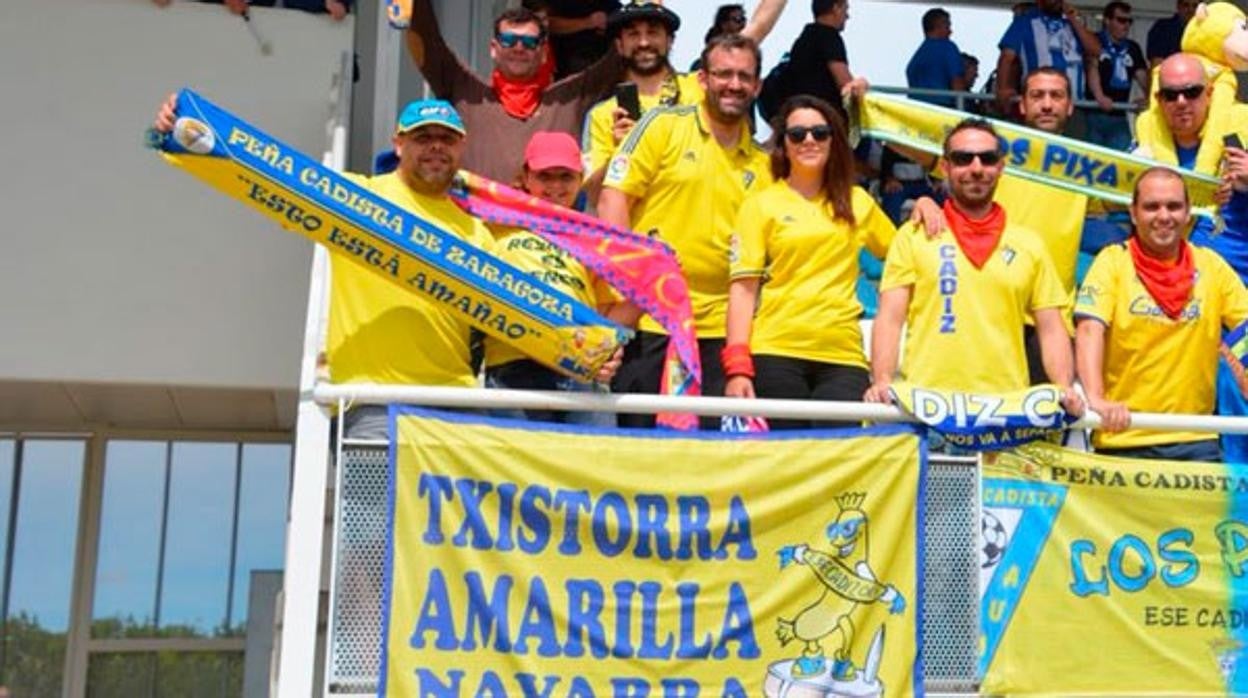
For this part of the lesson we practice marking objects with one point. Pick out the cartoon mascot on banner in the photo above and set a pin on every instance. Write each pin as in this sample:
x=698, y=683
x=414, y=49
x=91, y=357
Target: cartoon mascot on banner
x=848, y=581
x=1218, y=35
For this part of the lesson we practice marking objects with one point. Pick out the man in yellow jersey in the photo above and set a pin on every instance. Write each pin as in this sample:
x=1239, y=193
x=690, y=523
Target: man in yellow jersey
x=1150, y=316
x=643, y=32
x=965, y=293
x=681, y=175
x=379, y=333
x=1055, y=215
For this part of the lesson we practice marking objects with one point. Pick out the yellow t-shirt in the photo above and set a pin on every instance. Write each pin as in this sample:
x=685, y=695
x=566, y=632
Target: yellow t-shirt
x=1153, y=363
x=550, y=264
x=379, y=333
x=966, y=324
x=1055, y=214
x=687, y=189
x=808, y=305
x=597, y=141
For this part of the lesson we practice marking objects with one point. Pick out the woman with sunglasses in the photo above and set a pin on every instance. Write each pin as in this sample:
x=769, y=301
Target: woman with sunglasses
x=792, y=307
x=551, y=172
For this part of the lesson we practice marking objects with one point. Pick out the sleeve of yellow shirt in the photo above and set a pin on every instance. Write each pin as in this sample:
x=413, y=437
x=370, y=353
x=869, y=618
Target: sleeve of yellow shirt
x=640, y=157
x=899, y=268
x=1096, y=296
x=597, y=141
x=876, y=229
x=748, y=252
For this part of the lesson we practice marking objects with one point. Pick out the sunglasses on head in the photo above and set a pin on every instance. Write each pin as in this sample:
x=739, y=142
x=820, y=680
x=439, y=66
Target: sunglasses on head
x=797, y=134
x=1172, y=94
x=962, y=158
x=509, y=39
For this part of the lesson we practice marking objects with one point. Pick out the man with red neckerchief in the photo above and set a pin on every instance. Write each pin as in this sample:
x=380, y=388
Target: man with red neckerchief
x=966, y=292
x=1149, y=325
x=519, y=99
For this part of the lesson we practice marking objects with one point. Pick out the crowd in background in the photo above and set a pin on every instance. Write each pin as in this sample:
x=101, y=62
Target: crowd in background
x=786, y=245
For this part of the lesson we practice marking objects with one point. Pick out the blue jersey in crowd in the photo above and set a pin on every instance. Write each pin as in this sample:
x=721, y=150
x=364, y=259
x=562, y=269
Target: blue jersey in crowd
x=935, y=66
x=1042, y=40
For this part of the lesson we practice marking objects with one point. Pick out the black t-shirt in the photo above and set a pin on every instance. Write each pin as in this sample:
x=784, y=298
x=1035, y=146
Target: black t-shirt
x=1165, y=37
x=817, y=45
x=1133, y=60
x=576, y=51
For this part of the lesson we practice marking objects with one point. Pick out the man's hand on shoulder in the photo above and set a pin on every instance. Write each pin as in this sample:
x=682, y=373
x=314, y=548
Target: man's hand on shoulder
x=928, y=214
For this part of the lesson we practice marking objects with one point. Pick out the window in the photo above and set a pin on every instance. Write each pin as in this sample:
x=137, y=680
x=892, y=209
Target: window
x=183, y=525
x=40, y=482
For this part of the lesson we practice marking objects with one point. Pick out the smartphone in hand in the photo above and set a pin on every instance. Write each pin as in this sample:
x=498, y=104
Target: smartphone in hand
x=1231, y=140
x=626, y=98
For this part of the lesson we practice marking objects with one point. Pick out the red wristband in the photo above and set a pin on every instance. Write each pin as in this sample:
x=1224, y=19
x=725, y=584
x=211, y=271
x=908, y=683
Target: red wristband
x=737, y=360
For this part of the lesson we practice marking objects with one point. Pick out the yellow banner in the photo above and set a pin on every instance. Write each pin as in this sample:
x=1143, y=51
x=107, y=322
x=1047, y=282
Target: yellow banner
x=1110, y=576
x=1031, y=154
x=551, y=561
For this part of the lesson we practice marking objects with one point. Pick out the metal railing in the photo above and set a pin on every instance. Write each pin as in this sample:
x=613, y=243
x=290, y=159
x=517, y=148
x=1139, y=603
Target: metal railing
x=950, y=624
x=493, y=398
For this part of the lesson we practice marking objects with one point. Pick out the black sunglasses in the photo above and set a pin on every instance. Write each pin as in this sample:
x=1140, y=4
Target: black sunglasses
x=1172, y=94
x=962, y=158
x=797, y=134
x=509, y=39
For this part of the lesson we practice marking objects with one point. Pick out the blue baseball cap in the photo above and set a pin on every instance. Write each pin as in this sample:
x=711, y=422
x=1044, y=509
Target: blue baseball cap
x=430, y=112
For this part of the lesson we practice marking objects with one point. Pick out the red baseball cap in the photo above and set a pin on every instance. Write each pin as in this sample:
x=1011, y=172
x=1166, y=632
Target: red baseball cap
x=547, y=149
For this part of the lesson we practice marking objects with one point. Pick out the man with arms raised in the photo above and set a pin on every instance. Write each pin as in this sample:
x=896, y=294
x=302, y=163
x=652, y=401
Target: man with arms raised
x=1150, y=316
x=681, y=175
x=379, y=333
x=966, y=292
x=519, y=99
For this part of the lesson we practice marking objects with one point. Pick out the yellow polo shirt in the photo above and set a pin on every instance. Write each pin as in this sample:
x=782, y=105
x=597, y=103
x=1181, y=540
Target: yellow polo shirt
x=1153, y=363
x=809, y=305
x=550, y=264
x=966, y=324
x=379, y=333
x=687, y=189
x=1054, y=214
x=597, y=141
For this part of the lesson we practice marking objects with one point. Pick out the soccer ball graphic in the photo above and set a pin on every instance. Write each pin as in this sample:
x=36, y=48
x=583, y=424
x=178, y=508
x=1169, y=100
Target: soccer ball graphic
x=992, y=540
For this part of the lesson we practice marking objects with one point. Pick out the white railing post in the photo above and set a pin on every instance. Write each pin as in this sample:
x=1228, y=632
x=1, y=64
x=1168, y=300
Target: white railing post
x=305, y=530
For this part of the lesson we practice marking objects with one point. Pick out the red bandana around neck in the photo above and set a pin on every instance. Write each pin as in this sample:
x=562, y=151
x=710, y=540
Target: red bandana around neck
x=520, y=98
x=976, y=238
x=1169, y=283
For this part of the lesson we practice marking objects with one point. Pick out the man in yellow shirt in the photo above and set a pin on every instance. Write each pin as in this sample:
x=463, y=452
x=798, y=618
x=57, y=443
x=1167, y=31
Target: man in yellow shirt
x=643, y=32
x=681, y=175
x=966, y=292
x=379, y=333
x=1150, y=316
x=1055, y=215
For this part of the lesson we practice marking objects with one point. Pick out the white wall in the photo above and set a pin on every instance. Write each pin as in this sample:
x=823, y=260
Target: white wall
x=115, y=267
